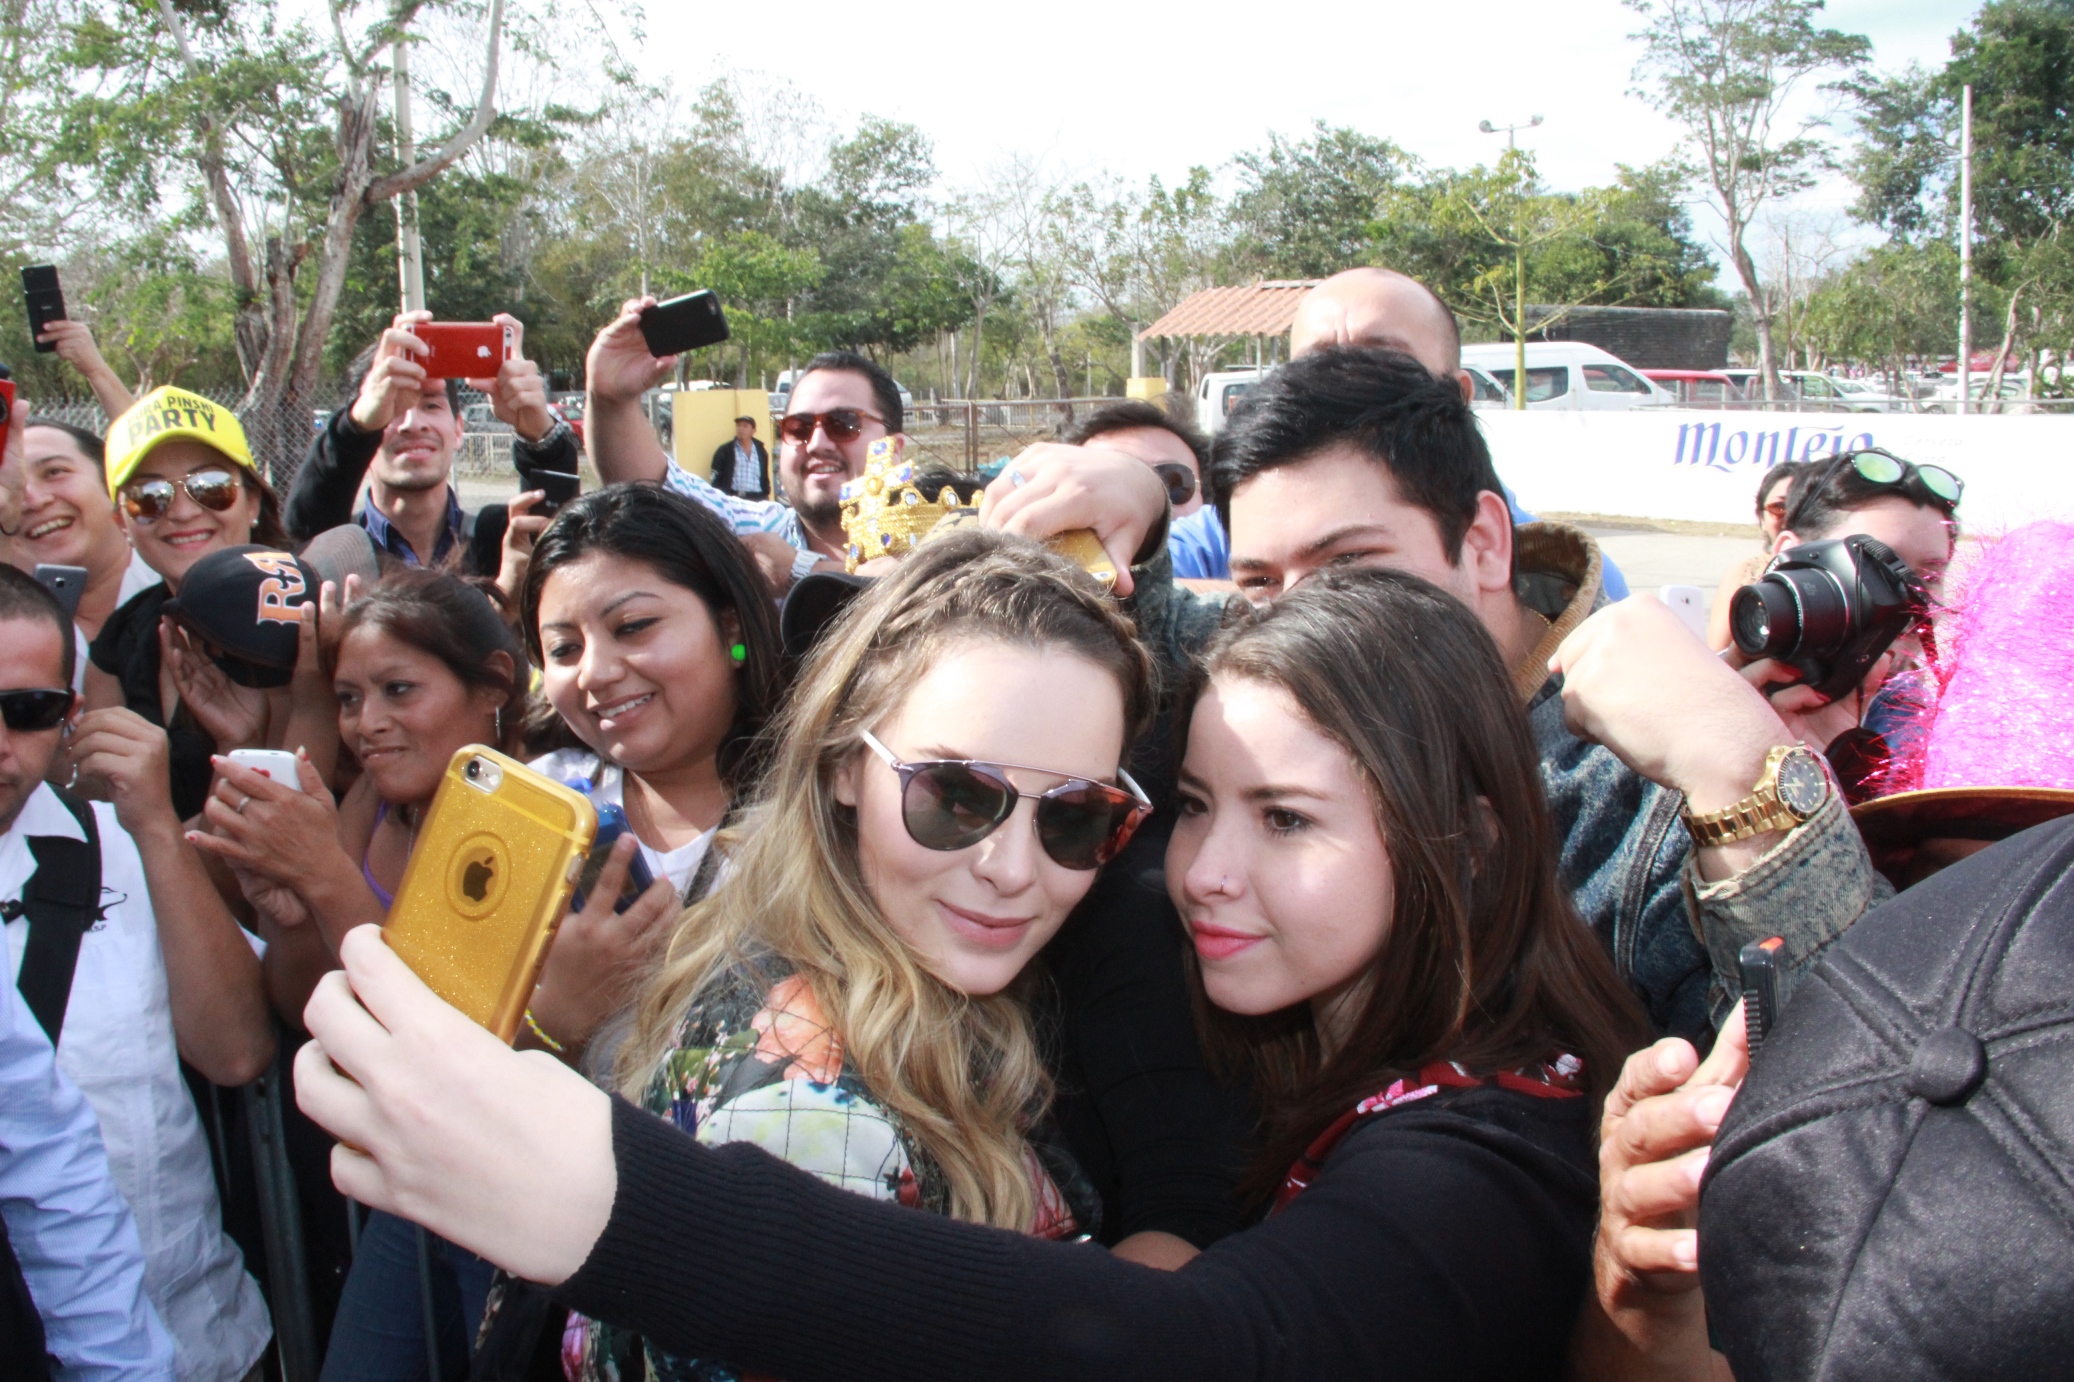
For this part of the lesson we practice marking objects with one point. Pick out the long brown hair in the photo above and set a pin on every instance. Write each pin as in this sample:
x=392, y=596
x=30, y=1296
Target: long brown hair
x=962, y=1073
x=1485, y=962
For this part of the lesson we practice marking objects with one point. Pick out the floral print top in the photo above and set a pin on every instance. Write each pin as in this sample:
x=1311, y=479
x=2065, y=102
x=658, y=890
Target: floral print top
x=757, y=1061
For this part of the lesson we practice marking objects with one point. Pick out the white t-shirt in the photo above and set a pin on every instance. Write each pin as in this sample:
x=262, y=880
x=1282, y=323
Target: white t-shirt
x=581, y=769
x=117, y=1046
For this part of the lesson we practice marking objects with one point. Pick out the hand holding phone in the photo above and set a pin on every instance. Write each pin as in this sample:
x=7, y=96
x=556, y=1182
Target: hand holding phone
x=65, y=584
x=612, y=823
x=557, y=487
x=465, y=350
x=276, y=764
x=488, y=881
x=683, y=323
x=45, y=301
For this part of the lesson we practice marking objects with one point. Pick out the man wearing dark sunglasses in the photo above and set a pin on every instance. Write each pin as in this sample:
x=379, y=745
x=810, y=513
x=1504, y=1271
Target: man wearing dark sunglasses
x=120, y=946
x=841, y=403
x=1175, y=450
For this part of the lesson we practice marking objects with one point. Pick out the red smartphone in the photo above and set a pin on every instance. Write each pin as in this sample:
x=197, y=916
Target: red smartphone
x=464, y=350
x=6, y=400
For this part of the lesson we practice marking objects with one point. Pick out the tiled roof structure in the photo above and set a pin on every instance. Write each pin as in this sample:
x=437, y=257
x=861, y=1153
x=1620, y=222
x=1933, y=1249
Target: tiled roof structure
x=1257, y=309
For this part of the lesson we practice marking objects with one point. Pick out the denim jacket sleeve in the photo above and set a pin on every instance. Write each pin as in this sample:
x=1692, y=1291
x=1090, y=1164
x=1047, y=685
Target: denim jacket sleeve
x=1807, y=890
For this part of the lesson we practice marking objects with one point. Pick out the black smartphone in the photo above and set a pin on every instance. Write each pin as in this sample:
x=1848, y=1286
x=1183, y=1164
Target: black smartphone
x=65, y=583
x=682, y=324
x=1760, y=965
x=557, y=487
x=46, y=301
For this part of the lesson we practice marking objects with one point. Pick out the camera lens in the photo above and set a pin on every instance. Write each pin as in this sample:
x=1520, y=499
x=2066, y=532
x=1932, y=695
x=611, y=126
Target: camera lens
x=1765, y=618
x=474, y=769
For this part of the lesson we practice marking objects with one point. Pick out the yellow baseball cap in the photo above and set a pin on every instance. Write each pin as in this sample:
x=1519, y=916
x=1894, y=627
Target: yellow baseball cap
x=167, y=414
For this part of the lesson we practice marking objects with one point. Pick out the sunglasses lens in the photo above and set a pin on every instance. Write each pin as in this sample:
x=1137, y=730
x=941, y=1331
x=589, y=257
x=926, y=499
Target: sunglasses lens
x=30, y=712
x=1081, y=827
x=842, y=424
x=215, y=490
x=949, y=806
x=797, y=427
x=149, y=500
x=1179, y=480
x=1881, y=470
x=1940, y=482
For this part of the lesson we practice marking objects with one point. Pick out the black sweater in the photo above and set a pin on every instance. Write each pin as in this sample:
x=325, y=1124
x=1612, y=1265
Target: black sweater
x=1438, y=1242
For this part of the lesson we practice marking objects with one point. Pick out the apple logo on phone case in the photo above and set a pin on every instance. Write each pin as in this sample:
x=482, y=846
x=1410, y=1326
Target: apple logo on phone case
x=482, y=352
x=476, y=876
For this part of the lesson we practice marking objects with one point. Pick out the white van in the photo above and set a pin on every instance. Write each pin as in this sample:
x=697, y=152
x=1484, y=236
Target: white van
x=1219, y=393
x=1571, y=375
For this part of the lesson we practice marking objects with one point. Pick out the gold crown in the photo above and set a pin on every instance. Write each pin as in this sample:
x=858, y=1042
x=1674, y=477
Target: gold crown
x=884, y=513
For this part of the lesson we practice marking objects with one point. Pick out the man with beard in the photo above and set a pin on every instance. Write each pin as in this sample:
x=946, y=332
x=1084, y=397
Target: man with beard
x=399, y=433
x=841, y=404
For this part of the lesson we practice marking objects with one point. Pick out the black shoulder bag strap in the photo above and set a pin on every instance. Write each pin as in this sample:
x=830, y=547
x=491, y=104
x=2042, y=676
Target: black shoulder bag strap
x=61, y=900
x=23, y=1353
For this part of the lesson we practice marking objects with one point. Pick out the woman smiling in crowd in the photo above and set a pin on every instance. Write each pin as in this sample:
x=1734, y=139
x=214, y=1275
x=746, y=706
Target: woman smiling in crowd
x=1366, y=865
x=68, y=520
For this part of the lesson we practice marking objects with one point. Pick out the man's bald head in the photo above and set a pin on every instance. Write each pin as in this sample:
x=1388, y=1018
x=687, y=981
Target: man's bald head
x=1379, y=308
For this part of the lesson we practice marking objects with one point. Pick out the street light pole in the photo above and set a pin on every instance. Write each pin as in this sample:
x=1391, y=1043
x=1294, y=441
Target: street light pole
x=1966, y=249
x=1519, y=273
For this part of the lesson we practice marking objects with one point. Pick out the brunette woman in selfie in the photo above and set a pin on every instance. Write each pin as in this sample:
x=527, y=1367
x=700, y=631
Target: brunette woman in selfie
x=658, y=648
x=1366, y=868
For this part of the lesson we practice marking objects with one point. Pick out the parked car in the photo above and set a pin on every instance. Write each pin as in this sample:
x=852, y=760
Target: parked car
x=1569, y=375
x=1697, y=388
x=1486, y=390
x=1220, y=392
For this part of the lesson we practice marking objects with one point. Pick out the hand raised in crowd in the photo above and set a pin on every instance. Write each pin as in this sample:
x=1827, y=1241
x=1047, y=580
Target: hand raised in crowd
x=1052, y=488
x=518, y=393
x=619, y=367
x=234, y=716
x=445, y=1125
x=1637, y=680
x=523, y=530
x=14, y=470
x=119, y=757
x=395, y=379
x=1646, y=1318
x=75, y=346
x=599, y=955
x=268, y=829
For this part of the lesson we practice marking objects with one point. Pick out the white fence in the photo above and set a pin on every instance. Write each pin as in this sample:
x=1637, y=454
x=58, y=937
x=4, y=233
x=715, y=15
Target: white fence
x=1703, y=466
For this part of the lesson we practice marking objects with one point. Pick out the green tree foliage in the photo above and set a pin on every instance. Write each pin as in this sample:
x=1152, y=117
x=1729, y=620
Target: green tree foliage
x=1305, y=206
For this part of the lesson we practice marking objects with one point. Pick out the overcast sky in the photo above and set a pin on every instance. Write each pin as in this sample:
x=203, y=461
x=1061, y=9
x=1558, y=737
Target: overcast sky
x=1141, y=89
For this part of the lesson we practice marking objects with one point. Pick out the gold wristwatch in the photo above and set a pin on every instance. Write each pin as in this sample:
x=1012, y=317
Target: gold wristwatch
x=1791, y=789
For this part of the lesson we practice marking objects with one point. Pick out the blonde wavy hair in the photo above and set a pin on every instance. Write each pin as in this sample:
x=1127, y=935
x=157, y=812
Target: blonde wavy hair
x=961, y=1073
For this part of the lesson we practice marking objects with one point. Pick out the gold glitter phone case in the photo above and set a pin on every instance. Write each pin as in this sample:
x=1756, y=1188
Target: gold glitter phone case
x=487, y=883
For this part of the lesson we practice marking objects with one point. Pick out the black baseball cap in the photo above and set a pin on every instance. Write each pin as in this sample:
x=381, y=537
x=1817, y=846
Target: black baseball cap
x=1892, y=1194
x=246, y=604
x=811, y=608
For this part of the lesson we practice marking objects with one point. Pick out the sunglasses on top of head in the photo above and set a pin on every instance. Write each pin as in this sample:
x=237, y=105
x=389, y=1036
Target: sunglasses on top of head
x=954, y=803
x=33, y=710
x=147, y=501
x=841, y=424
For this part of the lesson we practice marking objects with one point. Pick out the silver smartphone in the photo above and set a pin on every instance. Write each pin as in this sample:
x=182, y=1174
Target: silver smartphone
x=65, y=583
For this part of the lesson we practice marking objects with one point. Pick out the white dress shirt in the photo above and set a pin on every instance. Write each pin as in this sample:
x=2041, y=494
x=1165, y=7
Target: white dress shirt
x=117, y=1046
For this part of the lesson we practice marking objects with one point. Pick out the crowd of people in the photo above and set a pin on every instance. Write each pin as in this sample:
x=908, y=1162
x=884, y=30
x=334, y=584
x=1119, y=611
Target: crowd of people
x=1314, y=947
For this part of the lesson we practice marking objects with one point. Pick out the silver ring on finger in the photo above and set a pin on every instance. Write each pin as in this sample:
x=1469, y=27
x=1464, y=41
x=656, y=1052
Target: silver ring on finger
x=1016, y=479
x=240, y=807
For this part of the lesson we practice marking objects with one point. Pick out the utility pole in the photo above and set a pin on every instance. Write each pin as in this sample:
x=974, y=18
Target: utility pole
x=410, y=253
x=1966, y=249
x=1519, y=273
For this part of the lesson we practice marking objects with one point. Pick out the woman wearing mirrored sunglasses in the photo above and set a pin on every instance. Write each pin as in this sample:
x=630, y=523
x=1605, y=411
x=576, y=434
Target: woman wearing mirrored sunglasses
x=178, y=499
x=1366, y=866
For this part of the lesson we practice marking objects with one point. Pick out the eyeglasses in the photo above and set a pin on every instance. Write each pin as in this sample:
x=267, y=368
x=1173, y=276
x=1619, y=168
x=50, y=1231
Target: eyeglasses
x=1776, y=507
x=1179, y=480
x=954, y=803
x=841, y=424
x=33, y=711
x=147, y=501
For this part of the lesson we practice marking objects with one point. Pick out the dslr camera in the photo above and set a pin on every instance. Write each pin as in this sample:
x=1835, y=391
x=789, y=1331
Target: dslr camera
x=1829, y=609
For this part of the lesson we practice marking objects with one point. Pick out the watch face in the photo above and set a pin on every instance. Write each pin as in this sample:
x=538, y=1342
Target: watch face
x=1802, y=786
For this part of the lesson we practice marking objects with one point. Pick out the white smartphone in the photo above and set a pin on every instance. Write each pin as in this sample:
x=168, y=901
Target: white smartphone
x=278, y=764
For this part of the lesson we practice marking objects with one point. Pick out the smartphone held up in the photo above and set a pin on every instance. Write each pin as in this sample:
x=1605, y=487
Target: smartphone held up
x=465, y=350
x=497, y=858
x=683, y=323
